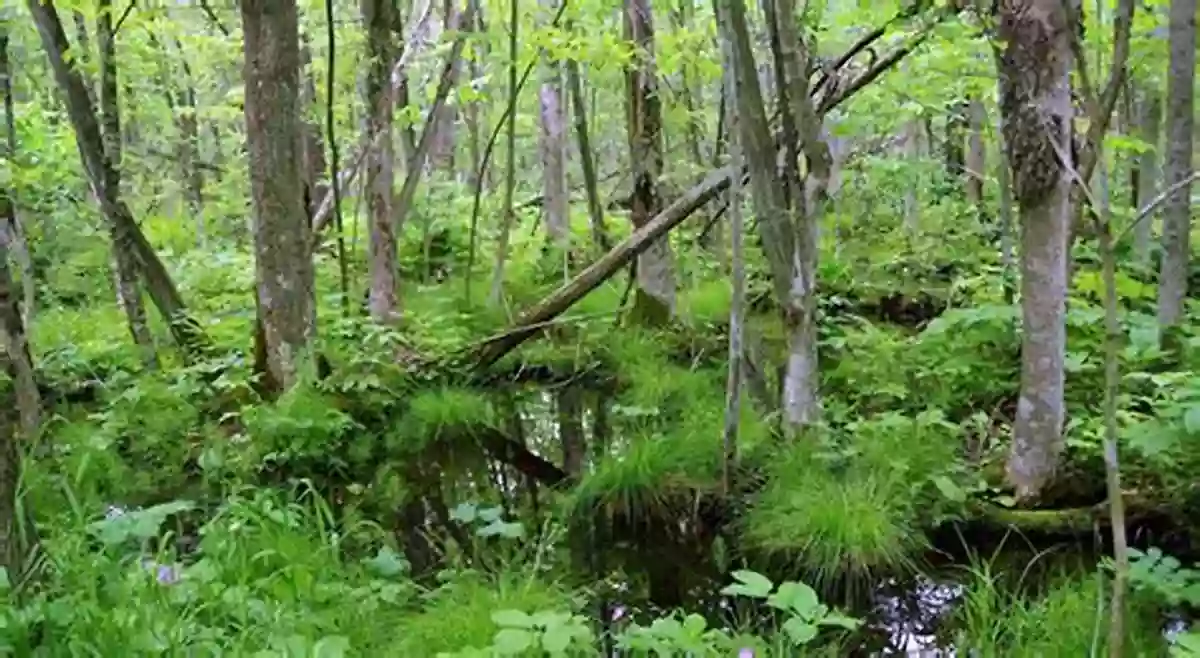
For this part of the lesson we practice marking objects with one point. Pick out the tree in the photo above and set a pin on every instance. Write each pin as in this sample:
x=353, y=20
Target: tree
x=187, y=333
x=382, y=302
x=655, y=295
x=125, y=274
x=1035, y=73
x=286, y=301
x=1177, y=167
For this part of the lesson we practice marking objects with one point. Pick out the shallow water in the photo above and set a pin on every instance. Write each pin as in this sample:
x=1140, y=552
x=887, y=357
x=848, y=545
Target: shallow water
x=910, y=615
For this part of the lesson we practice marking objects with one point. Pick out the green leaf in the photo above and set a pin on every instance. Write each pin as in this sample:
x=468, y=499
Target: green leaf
x=750, y=583
x=512, y=619
x=795, y=597
x=843, y=621
x=1191, y=420
x=387, y=563
x=331, y=646
x=463, y=513
x=513, y=641
x=800, y=631
x=949, y=490
x=556, y=639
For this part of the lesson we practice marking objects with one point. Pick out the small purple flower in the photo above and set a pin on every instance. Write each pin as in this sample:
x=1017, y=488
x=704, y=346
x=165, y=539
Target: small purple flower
x=165, y=574
x=746, y=652
x=618, y=612
x=168, y=574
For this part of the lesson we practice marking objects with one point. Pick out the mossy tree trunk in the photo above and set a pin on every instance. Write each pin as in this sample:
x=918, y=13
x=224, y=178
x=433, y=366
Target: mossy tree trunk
x=274, y=129
x=1035, y=73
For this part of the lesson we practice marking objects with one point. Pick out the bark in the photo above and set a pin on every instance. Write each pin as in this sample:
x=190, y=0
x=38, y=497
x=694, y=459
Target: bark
x=12, y=233
x=655, y=296
x=382, y=302
x=1035, y=68
x=20, y=407
x=553, y=146
x=1177, y=167
x=1148, y=170
x=124, y=265
x=274, y=127
x=14, y=348
x=186, y=332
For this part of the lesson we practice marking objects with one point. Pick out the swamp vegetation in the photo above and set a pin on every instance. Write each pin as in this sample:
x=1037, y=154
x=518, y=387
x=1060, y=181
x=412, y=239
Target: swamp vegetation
x=651, y=328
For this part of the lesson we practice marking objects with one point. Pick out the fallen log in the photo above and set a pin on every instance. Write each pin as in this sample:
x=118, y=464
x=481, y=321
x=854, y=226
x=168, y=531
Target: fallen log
x=532, y=320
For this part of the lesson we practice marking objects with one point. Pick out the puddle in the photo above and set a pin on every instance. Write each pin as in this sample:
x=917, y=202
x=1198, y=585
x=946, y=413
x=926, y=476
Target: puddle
x=908, y=615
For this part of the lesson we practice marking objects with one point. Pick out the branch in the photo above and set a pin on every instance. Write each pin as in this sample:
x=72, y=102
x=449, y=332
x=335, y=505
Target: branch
x=417, y=42
x=121, y=20
x=882, y=66
x=212, y=16
x=1100, y=109
x=1148, y=209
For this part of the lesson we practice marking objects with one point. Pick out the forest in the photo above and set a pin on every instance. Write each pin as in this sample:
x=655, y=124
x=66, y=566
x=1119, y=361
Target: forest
x=479, y=328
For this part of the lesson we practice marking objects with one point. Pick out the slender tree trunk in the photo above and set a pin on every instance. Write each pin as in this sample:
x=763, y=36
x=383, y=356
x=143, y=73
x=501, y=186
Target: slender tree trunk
x=189, y=147
x=125, y=274
x=383, y=298
x=312, y=146
x=1035, y=70
x=186, y=332
x=510, y=159
x=587, y=158
x=441, y=153
x=1177, y=222
x=1148, y=170
x=12, y=232
x=976, y=151
x=274, y=129
x=552, y=143
x=655, y=296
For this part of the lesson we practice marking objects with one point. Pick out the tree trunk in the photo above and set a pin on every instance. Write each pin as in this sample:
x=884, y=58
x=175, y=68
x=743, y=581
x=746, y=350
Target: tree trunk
x=976, y=150
x=12, y=234
x=312, y=145
x=125, y=274
x=186, y=332
x=655, y=297
x=1148, y=167
x=274, y=127
x=553, y=146
x=1035, y=69
x=382, y=302
x=441, y=152
x=1172, y=279
x=189, y=147
x=587, y=158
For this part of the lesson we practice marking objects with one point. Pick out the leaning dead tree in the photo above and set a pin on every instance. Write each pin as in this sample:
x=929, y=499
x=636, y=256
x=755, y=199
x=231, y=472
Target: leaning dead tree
x=826, y=96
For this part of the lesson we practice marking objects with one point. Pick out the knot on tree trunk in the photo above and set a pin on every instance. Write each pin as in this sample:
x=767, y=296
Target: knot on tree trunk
x=1033, y=67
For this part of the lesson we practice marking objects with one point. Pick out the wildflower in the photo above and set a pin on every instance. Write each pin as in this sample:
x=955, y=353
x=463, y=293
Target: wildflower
x=746, y=652
x=168, y=574
x=165, y=574
x=618, y=612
